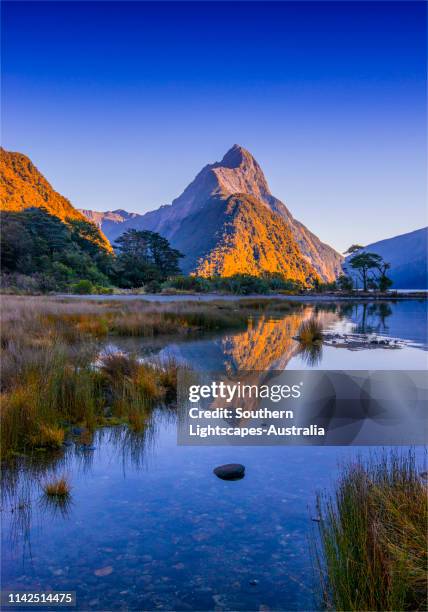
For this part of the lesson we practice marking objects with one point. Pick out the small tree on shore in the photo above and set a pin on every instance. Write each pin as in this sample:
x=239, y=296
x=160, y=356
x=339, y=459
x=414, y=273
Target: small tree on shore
x=384, y=281
x=362, y=263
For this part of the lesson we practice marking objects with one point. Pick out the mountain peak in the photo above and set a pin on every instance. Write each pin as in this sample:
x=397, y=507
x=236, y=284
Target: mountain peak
x=235, y=157
x=239, y=172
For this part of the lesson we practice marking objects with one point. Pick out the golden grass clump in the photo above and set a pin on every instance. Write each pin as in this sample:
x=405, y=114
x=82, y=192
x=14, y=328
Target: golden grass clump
x=48, y=436
x=148, y=381
x=373, y=552
x=117, y=365
x=18, y=418
x=138, y=420
x=310, y=332
x=59, y=488
x=310, y=341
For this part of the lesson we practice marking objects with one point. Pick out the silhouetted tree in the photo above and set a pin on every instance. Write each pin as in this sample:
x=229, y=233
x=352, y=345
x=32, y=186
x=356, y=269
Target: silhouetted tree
x=144, y=257
x=362, y=263
x=353, y=249
x=384, y=282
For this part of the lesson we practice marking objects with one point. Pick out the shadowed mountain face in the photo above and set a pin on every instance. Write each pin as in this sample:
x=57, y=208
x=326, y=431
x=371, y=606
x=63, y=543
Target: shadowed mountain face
x=205, y=223
x=22, y=186
x=407, y=255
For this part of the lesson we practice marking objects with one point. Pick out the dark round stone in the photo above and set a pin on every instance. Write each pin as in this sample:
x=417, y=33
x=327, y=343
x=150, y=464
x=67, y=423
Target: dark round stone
x=230, y=471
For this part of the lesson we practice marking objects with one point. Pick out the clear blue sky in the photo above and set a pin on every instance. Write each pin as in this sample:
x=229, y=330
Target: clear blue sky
x=121, y=104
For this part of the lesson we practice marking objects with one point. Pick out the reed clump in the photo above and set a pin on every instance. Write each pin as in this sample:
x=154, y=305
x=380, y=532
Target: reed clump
x=47, y=436
x=59, y=488
x=373, y=537
x=310, y=341
x=310, y=333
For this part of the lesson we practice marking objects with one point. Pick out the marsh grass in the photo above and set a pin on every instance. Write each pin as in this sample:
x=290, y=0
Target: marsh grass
x=49, y=381
x=310, y=333
x=310, y=340
x=59, y=488
x=57, y=497
x=49, y=347
x=37, y=412
x=373, y=537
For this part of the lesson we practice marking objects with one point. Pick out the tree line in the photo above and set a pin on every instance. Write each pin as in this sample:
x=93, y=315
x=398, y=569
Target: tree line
x=40, y=252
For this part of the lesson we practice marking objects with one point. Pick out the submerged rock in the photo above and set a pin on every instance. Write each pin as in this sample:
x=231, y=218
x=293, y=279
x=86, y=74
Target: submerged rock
x=230, y=471
x=104, y=571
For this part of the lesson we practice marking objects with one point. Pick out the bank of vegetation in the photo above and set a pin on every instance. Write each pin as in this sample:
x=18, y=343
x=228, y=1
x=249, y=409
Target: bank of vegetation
x=56, y=373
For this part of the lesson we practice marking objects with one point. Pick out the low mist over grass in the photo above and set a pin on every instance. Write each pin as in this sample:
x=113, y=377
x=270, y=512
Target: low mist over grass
x=373, y=536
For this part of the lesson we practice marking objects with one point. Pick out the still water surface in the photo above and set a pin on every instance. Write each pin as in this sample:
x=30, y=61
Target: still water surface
x=150, y=527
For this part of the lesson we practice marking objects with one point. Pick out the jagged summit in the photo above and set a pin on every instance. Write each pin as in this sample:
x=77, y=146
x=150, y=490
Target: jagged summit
x=235, y=157
x=239, y=172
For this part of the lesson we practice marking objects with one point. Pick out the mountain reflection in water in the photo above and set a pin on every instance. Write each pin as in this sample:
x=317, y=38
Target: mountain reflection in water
x=269, y=340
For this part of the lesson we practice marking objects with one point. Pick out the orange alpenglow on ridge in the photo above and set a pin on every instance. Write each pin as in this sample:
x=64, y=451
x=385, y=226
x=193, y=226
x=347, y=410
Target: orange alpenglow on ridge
x=252, y=240
x=22, y=186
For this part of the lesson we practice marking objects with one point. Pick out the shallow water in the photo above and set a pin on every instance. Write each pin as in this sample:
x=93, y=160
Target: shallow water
x=150, y=527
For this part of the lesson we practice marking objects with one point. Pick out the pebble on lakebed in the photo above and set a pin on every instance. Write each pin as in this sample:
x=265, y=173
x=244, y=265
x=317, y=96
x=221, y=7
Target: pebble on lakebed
x=230, y=471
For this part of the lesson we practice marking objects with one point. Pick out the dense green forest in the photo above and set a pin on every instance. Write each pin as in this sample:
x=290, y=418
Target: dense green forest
x=39, y=252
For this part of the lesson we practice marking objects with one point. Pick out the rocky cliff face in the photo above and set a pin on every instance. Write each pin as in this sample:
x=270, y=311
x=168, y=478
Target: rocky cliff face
x=200, y=218
x=23, y=186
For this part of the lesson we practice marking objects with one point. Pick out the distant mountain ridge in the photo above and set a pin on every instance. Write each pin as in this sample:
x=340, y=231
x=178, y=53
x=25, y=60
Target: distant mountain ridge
x=201, y=224
x=407, y=254
x=109, y=222
x=22, y=186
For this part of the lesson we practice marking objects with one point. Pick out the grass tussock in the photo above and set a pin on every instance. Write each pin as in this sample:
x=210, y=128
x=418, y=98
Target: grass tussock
x=310, y=341
x=310, y=333
x=59, y=488
x=373, y=537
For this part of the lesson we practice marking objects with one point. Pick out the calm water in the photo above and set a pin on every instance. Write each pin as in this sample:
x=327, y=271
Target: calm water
x=150, y=527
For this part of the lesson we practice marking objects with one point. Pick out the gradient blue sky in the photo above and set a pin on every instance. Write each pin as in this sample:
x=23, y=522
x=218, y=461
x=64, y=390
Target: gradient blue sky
x=121, y=104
